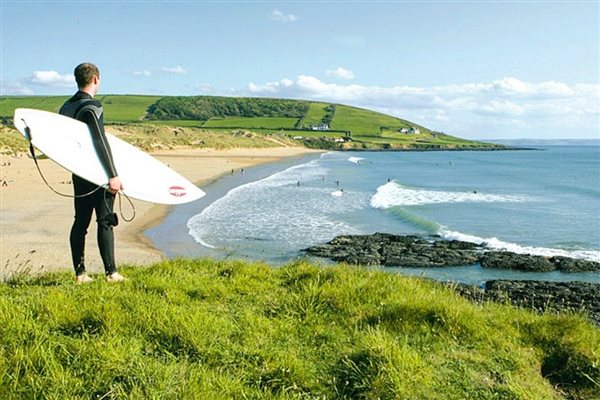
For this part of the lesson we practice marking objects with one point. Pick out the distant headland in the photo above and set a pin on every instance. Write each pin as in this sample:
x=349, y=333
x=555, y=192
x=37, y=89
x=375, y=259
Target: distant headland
x=317, y=125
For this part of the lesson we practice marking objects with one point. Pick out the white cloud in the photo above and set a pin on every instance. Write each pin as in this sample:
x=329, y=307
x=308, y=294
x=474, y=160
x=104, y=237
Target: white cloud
x=144, y=72
x=14, y=88
x=178, y=69
x=470, y=109
x=271, y=87
x=277, y=15
x=516, y=86
x=501, y=107
x=52, y=79
x=341, y=73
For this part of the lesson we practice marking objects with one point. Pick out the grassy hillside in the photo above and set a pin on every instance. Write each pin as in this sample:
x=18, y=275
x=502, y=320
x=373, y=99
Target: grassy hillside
x=126, y=108
x=251, y=122
x=220, y=330
x=347, y=127
x=117, y=108
x=315, y=114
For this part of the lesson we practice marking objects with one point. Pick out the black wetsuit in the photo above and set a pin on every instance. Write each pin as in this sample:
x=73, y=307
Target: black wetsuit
x=88, y=110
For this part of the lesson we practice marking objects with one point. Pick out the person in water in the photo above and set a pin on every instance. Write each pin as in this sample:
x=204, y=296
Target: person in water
x=88, y=196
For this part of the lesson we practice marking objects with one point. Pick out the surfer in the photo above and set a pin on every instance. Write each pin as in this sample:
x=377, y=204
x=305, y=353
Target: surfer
x=88, y=196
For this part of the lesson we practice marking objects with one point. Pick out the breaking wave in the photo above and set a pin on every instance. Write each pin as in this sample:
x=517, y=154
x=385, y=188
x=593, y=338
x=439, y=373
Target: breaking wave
x=497, y=244
x=393, y=194
x=355, y=160
x=394, y=197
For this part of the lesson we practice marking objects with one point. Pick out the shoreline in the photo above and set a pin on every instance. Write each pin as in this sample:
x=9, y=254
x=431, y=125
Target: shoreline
x=35, y=223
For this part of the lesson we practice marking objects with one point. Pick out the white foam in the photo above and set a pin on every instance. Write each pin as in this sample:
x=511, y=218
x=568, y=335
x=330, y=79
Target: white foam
x=392, y=194
x=329, y=153
x=203, y=243
x=355, y=160
x=293, y=215
x=337, y=193
x=497, y=244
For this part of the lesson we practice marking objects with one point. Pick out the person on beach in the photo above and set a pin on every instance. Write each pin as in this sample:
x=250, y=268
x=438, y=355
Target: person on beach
x=88, y=196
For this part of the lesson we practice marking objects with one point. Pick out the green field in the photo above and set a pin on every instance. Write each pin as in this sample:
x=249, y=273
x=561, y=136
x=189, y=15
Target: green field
x=117, y=108
x=316, y=112
x=249, y=123
x=363, y=122
x=126, y=108
x=8, y=104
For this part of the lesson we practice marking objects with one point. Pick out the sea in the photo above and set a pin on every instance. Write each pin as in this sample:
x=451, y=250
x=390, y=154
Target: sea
x=544, y=200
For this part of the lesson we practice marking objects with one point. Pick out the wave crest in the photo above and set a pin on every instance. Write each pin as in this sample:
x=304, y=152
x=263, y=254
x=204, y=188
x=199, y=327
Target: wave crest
x=497, y=244
x=393, y=194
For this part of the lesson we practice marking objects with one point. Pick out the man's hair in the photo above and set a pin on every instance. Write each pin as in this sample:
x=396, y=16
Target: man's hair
x=84, y=73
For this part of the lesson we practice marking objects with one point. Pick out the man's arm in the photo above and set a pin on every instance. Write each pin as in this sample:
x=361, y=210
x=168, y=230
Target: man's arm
x=89, y=117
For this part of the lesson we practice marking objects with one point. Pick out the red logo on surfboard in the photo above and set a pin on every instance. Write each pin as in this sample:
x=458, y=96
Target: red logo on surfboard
x=177, y=191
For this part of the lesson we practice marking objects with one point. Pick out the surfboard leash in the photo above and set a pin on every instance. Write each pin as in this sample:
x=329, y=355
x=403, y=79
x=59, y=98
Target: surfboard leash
x=121, y=207
x=35, y=160
x=73, y=196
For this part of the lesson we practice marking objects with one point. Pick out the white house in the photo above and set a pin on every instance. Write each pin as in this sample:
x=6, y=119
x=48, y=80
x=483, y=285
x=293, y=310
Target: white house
x=320, y=127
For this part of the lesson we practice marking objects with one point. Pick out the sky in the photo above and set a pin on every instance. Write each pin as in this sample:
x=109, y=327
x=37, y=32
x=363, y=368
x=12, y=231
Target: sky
x=473, y=69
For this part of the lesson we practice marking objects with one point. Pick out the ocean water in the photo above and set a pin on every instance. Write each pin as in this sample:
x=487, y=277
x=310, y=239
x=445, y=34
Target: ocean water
x=544, y=201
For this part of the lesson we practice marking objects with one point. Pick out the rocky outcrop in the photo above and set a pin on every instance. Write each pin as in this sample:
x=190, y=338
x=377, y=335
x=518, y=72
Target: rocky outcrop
x=539, y=295
x=396, y=250
x=567, y=264
x=418, y=251
x=521, y=262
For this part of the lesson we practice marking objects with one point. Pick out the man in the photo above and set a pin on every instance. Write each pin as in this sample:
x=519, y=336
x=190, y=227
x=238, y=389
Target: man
x=88, y=196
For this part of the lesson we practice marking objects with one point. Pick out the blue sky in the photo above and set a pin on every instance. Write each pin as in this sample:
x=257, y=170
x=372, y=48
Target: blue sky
x=472, y=69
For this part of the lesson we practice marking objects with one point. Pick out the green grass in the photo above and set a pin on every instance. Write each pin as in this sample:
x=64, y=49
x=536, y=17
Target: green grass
x=179, y=123
x=248, y=123
x=204, y=329
x=315, y=113
x=8, y=104
x=117, y=108
x=364, y=122
x=125, y=108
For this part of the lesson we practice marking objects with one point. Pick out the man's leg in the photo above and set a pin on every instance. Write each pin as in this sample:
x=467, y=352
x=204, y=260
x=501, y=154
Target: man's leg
x=84, y=206
x=104, y=202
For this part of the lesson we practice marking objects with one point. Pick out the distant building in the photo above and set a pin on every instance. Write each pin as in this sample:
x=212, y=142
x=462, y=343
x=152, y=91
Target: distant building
x=410, y=131
x=320, y=127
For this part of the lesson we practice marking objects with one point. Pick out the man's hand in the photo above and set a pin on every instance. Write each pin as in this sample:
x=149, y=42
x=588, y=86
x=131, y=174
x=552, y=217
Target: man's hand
x=115, y=185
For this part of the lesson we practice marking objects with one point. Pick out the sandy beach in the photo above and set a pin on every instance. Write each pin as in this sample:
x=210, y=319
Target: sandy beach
x=35, y=222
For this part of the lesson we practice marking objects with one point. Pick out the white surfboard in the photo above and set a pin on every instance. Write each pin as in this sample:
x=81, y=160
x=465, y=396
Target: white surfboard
x=69, y=143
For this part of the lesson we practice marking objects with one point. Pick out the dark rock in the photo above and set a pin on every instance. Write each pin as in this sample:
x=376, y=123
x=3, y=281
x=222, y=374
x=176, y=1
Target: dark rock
x=396, y=250
x=567, y=264
x=544, y=295
x=521, y=262
x=418, y=251
x=538, y=295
